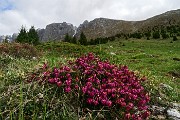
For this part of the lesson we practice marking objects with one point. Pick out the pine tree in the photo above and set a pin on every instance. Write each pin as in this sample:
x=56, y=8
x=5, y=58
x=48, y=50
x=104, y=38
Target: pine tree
x=164, y=35
x=148, y=35
x=33, y=36
x=67, y=38
x=156, y=35
x=74, y=40
x=22, y=37
x=83, y=39
x=92, y=42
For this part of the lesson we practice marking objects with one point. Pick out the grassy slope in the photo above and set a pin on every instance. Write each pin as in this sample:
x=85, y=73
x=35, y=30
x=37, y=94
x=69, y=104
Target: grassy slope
x=152, y=58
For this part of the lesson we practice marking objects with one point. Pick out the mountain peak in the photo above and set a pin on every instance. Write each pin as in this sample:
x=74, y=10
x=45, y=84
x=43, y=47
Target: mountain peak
x=105, y=27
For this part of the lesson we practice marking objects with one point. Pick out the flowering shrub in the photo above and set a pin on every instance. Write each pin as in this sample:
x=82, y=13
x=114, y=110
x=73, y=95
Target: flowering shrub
x=19, y=50
x=101, y=84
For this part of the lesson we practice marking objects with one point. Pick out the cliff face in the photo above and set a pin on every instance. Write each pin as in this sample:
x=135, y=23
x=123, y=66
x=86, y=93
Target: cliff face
x=56, y=31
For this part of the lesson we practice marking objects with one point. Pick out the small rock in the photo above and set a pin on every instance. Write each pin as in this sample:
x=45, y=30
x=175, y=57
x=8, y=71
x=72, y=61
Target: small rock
x=173, y=114
x=159, y=98
x=40, y=96
x=161, y=117
x=176, y=105
x=34, y=58
x=157, y=110
x=112, y=53
x=158, y=117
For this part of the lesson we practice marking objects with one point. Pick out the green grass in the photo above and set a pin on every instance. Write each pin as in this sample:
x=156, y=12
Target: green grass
x=150, y=58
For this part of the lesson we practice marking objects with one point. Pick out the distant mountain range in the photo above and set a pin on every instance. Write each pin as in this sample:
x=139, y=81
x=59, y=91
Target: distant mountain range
x=104, y=27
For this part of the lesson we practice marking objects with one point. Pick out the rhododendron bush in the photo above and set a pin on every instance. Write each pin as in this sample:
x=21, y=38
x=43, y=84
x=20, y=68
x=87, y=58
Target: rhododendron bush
x=100, y=84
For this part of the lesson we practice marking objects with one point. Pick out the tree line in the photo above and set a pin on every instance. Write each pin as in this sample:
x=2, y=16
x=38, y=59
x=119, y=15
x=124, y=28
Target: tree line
x=155, y=33
x=30, y=36
x=173, y=31
x=163, y=32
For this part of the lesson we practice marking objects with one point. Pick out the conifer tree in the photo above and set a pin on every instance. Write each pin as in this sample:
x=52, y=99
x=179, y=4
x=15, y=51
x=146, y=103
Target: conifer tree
x=148, y=35
x=33, y=36
x=22, y=37
x=83, y=39
x=164, y=35
x=67, y=38
x=74, y=40
x=156, y=35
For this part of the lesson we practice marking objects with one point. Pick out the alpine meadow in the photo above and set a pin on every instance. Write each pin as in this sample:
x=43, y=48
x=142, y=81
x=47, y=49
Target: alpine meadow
x=105, y=69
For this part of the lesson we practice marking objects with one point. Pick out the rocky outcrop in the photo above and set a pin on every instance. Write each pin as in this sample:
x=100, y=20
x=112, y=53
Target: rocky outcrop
x=170, y=112
x=173, y=114
x=56, y=31
x=103, y=27
x=40, y=33
x=82, y=26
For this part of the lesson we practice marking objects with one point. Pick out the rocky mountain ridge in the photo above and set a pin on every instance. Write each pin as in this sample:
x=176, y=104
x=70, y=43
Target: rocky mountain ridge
x=105, y=27
x=56, y=31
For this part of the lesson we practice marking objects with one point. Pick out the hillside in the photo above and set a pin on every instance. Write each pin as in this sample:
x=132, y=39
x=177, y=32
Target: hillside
x=24, y=96
x=103, y=27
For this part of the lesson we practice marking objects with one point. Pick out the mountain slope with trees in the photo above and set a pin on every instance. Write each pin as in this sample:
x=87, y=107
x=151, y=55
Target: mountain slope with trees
x=103, y=27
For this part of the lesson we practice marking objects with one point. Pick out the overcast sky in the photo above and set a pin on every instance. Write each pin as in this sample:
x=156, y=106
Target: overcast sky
x=15, y=13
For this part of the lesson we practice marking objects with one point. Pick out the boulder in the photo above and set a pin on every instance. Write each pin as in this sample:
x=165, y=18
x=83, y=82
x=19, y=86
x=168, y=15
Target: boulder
x=173, y=114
